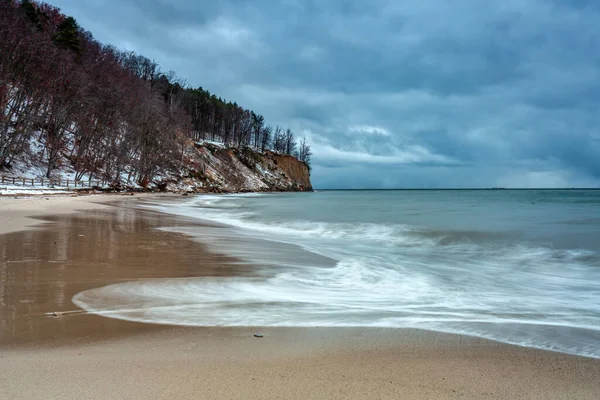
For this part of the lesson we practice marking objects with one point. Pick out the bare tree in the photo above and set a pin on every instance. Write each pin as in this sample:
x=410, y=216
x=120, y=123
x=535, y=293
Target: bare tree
x=258, y=122
x=304, y=152
x=107, y=112
x=279, y=140
x=290, y=142
x=265, y=139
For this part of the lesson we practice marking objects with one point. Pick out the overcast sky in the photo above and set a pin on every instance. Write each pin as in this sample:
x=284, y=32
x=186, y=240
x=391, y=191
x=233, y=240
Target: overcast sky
x=428, y=93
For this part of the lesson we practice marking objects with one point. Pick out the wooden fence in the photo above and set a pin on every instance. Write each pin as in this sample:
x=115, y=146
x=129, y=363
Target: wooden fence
x=45, y=182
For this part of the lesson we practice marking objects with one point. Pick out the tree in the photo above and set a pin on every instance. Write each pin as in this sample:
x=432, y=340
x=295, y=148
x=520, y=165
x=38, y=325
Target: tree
x=109, y=113
x=265, y=140
x=67, y=35
x=290, y=142
x=258, y=122
x=31, y=11
x=304, y=152
x=279, y=140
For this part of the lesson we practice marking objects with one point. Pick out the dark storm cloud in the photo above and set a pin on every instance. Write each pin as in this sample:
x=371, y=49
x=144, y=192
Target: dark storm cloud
x=389, y=93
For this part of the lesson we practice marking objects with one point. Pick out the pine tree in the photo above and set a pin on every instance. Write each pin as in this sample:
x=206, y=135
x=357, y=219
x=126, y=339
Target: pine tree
x=67, y=35
x=31, y=12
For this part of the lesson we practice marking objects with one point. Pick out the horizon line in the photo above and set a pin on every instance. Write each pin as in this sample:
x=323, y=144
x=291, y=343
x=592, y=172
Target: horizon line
x=490, y=188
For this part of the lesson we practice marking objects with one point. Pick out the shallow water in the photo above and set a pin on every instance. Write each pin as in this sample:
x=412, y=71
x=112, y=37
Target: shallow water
x=520, y=267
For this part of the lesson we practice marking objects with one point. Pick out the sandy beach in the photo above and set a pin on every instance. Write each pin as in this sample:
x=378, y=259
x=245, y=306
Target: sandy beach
x=19, y=212
x=49, y=252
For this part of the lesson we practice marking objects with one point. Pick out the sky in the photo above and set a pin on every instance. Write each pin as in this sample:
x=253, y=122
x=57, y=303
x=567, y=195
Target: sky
x=392, y=94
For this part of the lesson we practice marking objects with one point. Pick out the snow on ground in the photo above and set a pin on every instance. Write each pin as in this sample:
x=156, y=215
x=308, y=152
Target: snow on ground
x=263, y=171
x=9, y=190
x=33, y=165
x=213, y=142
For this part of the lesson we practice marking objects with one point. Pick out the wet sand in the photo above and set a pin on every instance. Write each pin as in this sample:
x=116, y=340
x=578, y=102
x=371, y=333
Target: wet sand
x=78, y=355
x=42, y=269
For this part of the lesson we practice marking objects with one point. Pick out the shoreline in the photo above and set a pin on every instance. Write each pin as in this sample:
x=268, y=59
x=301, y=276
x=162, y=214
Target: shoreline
x=90, y=356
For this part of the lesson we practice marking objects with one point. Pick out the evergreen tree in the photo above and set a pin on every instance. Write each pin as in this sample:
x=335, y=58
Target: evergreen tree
x=31, y=12
x=67, y=35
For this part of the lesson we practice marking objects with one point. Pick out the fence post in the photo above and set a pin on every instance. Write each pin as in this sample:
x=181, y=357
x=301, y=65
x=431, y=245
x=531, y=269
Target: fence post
x=67, y=183
x=23, y=181
x=13, y=180
x=3, y=179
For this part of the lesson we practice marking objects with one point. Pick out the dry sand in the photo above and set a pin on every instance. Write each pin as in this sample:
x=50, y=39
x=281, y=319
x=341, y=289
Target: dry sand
x=77, y=355
x=295, y=364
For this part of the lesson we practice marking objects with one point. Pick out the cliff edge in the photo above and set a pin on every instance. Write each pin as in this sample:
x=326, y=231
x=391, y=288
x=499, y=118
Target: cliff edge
x=213, y=168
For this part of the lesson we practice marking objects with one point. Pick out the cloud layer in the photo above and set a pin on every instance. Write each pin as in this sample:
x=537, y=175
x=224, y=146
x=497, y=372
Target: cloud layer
x=392, y=94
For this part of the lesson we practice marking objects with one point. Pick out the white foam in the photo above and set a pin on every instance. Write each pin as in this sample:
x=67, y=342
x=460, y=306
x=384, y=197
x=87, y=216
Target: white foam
x=386, y=275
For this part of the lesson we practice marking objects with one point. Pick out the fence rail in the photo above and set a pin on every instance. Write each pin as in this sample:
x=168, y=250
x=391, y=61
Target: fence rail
x=46, y=182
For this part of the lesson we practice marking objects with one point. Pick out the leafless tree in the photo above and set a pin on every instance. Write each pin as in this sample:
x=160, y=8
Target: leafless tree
x=107, y=112
x=304, y=152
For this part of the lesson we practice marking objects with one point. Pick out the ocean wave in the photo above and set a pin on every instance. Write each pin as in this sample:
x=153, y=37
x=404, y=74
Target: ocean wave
x=375, y=291
x=349, y=295
x=225, y=210
x=385, y=275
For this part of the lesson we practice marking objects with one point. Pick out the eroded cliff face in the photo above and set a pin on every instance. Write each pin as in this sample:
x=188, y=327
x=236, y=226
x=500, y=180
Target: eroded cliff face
x=213, y=168
x=296, y=170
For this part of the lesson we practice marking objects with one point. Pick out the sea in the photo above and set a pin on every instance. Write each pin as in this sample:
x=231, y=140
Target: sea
x=514, y=266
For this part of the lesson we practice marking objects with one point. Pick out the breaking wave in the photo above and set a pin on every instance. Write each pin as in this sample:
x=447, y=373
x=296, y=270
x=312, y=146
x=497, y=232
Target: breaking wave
x=384, y=275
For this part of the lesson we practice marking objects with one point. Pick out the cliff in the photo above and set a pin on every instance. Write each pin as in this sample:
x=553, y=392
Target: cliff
x=210, y=167
x=206, y=167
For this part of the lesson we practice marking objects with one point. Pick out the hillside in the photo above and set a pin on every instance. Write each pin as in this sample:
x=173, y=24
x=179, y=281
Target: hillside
x=206, y=167
x=75, y=108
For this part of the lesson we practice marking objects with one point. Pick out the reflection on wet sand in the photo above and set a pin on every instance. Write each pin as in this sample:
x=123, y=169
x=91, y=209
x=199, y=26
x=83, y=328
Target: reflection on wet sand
x=41, y=270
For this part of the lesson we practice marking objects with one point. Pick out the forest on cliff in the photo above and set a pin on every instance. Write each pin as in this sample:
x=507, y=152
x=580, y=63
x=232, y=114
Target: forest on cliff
x=66, y=98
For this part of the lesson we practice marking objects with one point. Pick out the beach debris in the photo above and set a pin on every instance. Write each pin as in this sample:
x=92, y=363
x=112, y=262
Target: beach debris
x=64, y=313
x=258, y=335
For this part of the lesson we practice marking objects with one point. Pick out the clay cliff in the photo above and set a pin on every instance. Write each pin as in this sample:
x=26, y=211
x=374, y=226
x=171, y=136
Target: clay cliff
x=211, y=167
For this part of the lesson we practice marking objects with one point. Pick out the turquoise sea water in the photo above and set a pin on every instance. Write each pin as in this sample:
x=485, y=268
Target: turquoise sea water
x=517, y=266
